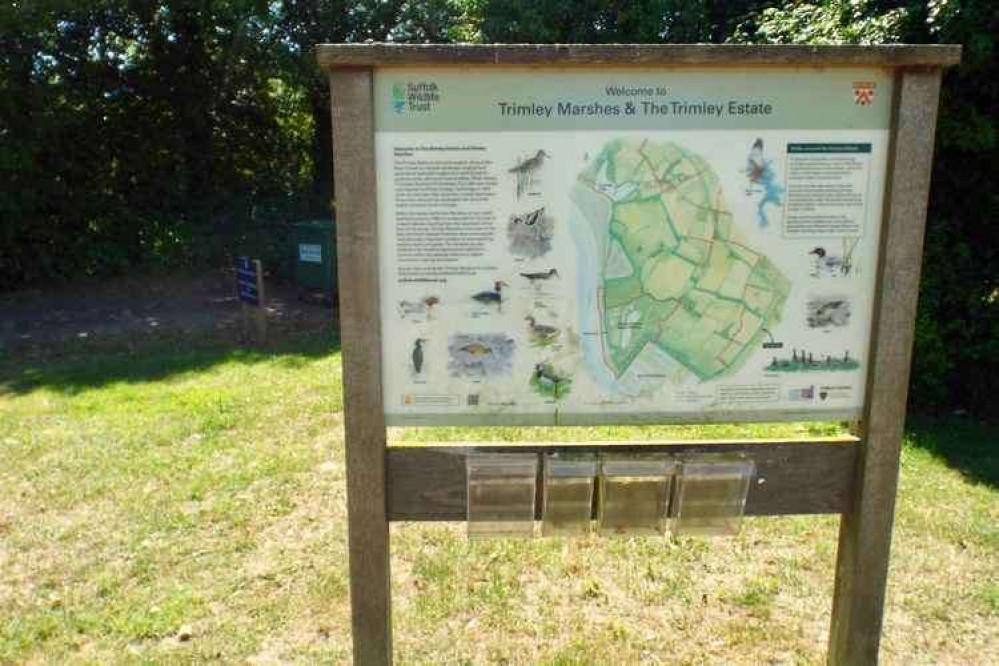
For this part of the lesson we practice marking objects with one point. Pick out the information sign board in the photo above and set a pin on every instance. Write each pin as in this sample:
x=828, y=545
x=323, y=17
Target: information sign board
x=581, y=245
x=597, y=233
x=311, y=253
x=247, y=280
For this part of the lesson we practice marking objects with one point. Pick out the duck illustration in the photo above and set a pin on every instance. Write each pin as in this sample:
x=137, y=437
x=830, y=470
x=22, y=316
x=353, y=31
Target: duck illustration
x=494, y=296
x=476, y=349
x=418, y=355
x=543, y=275
x=541, y=331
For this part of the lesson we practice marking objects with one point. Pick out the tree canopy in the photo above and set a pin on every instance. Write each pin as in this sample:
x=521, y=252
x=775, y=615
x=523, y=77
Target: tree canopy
x=173, y=133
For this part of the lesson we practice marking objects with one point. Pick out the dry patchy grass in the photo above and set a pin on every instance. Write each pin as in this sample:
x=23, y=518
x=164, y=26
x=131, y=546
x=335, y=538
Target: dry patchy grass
x=204, y=489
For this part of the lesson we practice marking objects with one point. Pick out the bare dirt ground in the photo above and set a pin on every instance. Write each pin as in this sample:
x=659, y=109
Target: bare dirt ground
x=126, y=310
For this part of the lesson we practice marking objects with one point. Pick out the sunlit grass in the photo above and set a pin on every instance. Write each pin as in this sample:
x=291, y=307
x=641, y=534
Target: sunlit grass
x=204, y=488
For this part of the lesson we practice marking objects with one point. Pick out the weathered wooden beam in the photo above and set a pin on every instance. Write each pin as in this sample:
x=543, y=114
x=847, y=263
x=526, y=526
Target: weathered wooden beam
x=376, y=54
x=357, y=260
x=427, y=483
x=865, y=531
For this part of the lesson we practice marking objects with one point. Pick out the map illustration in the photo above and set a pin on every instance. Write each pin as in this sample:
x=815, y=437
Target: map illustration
x=675, y=291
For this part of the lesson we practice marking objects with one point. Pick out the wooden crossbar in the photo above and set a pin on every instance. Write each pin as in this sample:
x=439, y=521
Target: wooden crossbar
x=427, y=483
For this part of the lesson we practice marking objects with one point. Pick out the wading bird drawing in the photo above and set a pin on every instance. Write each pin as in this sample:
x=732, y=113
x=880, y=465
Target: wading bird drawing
x=526, y=170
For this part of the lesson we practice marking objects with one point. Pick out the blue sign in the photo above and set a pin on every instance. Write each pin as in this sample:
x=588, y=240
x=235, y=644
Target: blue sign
x=246, y=281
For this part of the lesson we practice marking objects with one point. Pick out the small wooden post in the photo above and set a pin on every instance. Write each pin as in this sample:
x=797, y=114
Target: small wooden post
x=354, y=174
x=244, y=322
x=865, y=529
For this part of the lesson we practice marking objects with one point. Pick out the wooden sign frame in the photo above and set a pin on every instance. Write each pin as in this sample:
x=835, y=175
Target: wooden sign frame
x=852, y=476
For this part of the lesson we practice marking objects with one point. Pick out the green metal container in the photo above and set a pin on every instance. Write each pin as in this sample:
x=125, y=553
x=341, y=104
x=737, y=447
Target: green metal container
x=315, y=254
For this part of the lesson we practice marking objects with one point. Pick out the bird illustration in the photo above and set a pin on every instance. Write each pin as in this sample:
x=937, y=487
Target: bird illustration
x=526, y=169
x=532, y=163
x=476, y=349
x=541, y=332
x=545, y=375
x=833, y=313
x=543, y=275
x=494, y=296
x=828, y=263
x=529, y=219
x=418, y=355
x=756, y=164
x=425, y=305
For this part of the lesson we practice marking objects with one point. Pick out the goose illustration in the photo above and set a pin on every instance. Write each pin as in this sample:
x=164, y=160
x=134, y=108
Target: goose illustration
x=494, y=296
x=476, y=349
x=543, y=275
x=418, y=355
x=541, y=332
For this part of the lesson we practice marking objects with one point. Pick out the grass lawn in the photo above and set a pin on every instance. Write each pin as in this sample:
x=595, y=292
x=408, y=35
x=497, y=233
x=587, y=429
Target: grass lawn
x=203, y=488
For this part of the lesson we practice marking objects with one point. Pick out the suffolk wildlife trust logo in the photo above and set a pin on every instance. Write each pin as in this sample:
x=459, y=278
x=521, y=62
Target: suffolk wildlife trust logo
x=415, y=97
x=863, y=93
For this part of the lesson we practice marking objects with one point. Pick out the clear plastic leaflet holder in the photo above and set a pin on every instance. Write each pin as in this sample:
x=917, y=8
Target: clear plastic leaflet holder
x=501, y=491
x=634, y=494
x=568, y=494
x=711, y=495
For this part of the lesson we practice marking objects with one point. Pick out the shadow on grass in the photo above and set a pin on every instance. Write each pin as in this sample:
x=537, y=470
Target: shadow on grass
x=71, y=369
x=969, y=446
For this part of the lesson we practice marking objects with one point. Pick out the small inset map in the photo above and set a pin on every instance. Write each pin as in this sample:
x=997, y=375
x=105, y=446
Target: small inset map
x=763, y=183
x=679, y=292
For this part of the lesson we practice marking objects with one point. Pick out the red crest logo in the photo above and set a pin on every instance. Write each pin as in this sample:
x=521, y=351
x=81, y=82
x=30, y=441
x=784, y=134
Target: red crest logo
x=863, y=93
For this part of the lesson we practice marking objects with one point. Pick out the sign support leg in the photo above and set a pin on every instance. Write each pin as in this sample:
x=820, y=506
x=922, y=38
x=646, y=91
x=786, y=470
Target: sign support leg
x=354, y=155
x=865, y=530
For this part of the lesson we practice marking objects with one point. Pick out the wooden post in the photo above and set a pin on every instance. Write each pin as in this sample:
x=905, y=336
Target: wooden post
x=244, y=323
x=865, y=529
x=357, y=241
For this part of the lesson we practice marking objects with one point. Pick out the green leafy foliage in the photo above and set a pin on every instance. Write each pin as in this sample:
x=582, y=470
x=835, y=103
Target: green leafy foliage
x=177, y=133
x=956, y=357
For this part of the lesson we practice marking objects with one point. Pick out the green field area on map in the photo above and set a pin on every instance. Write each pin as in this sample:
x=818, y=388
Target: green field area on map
x=676, y=277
